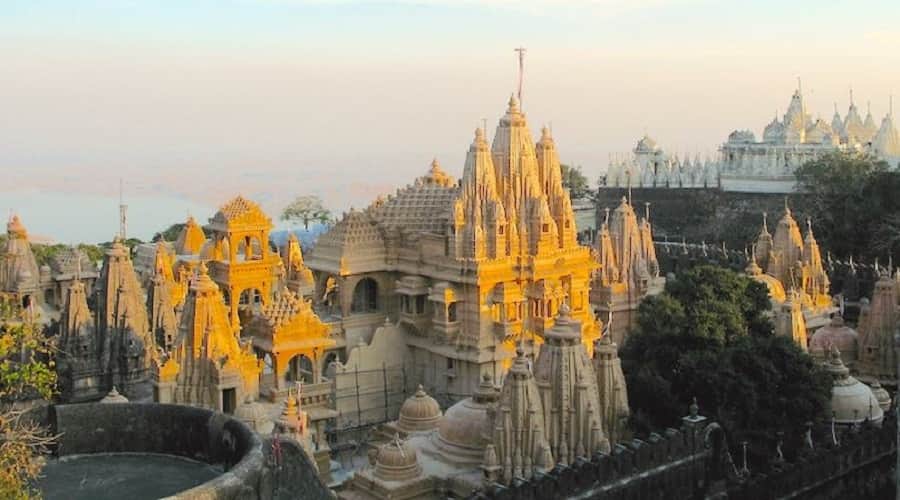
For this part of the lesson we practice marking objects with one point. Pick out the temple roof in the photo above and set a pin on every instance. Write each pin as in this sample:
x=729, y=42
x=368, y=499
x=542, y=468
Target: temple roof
x=240, y=213
x=421, y=207
x=355, y=244
x=190, y=239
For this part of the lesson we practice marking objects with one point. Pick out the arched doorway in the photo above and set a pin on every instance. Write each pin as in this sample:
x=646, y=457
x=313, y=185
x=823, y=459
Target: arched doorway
x=365, y=296
x=300, y=369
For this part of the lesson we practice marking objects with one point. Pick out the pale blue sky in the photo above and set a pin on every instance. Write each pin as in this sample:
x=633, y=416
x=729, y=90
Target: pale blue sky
x=202, y=99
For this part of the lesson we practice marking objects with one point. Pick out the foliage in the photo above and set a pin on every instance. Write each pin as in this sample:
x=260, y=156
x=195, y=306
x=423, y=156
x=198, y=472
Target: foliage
x=26, y=373
x=306, y=209
x=172, y=232
x=94, y=252
x=43, y=254
x=574, y=180
x=708, y=336
x=854, y=202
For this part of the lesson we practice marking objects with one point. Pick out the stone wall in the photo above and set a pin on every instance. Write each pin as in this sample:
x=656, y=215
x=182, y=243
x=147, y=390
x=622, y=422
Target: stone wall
x=672, y=465
x=704, y=214
x=190, y=432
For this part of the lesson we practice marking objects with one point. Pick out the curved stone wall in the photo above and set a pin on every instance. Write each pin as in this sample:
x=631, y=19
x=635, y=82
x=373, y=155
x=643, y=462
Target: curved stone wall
x=185, y=431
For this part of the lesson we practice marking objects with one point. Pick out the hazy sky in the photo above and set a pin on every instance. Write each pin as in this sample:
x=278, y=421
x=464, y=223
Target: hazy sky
x=272, y=98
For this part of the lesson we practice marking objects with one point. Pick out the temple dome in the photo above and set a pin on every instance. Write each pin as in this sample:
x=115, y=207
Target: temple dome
x=836, y=334
x=252, y=413
x=884, y=399
x=397, y=461
x=851, y=401
x=420, y=412
x=464, y=430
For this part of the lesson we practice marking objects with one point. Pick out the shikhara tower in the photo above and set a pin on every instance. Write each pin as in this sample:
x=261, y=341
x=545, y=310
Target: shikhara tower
x=469, y=270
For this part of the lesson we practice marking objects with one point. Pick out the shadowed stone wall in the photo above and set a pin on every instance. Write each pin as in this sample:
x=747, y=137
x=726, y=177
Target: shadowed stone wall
x=194, y=433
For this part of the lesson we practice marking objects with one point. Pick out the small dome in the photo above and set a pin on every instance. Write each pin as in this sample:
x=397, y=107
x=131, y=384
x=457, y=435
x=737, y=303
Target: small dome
x=836, y=334
x=884, y=399
x=114, y=397
x=397, y=461
x=464, y=430
x=851, y=400
x=251, y=413
x=420, y=412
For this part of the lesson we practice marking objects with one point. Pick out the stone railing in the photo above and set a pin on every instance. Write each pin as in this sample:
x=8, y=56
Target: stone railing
x=860, y=467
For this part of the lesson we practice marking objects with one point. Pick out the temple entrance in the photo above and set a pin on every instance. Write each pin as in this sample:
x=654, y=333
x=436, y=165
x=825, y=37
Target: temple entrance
x=300, y=369
x=365, y=296
x=229, y=400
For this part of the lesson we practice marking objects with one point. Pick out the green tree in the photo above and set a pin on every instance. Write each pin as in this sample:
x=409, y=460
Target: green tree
x=574, y=180
x=169, y=234
x=708, y=336
x=26, y=374
x=306, y=209
x=853, y=200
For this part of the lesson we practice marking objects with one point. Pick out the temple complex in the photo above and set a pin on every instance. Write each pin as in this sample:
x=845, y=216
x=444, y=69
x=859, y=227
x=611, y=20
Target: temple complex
x=562, y=407
x=745, y=164
x=468, y=270
x=628, y=270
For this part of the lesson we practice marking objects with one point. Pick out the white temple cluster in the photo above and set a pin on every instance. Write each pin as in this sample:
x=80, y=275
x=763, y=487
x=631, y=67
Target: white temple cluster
x=746, y=164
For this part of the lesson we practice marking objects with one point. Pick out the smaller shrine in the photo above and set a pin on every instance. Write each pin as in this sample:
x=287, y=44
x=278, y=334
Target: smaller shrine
x=207, y=366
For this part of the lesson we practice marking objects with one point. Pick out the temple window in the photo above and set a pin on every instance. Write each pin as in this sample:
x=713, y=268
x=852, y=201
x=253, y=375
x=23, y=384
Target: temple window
x=501, y=229
x=545, y=227
x=450, y=364
x=420, y=304
x=365, y=296
x=451, y=313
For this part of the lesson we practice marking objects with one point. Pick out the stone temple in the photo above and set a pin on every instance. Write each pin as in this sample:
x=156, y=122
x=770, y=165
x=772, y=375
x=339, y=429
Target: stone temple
x=468, y=270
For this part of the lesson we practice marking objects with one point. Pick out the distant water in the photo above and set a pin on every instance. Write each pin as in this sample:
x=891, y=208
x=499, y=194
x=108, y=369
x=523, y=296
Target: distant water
x=122, y=475
x=86, y=218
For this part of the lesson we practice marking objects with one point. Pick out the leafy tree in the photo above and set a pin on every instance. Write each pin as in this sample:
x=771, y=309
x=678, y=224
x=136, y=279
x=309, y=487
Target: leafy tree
x=25, y=374
x=93, y=252
x=853, y=199
x=306, y=209
x=708, y=336
x=574, y=180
